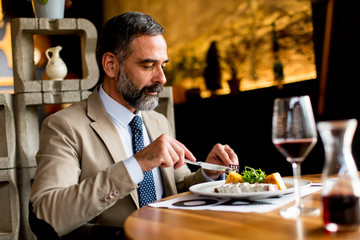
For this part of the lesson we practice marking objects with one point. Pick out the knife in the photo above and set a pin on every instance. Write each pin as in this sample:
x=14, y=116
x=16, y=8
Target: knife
x=211, y=166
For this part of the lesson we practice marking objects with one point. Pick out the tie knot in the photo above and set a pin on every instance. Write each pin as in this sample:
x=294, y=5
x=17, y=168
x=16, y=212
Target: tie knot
x=136, y=123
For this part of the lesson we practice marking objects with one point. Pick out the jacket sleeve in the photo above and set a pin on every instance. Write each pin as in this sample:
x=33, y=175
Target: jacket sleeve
x=58, y=196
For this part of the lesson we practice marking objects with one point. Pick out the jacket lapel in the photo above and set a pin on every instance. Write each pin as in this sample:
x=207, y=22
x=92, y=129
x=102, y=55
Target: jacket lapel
x=106, y=129
x=153, y=127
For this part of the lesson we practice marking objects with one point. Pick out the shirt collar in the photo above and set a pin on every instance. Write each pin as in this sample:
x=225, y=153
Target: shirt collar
x=117, y=111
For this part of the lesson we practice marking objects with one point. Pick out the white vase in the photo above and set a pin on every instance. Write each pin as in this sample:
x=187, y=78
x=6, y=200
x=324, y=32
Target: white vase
x=48, y=8
x=55, y=68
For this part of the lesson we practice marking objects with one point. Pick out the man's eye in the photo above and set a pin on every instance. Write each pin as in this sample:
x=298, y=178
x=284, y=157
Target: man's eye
x=163, y=68
x=148, y=67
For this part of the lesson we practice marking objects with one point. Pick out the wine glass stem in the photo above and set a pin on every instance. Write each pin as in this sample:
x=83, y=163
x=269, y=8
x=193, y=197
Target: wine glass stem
x=297, y=171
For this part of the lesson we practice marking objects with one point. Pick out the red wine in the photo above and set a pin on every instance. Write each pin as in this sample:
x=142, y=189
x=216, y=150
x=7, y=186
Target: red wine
x=341, y=211
x=294, y=148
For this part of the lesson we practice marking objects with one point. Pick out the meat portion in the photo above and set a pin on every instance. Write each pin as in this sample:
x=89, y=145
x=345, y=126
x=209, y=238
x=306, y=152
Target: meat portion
x=246, y=187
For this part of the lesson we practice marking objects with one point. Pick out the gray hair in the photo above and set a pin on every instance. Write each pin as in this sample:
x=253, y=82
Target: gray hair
x=119, y=31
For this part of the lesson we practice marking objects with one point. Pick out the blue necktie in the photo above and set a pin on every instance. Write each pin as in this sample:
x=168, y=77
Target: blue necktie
x=146, y=186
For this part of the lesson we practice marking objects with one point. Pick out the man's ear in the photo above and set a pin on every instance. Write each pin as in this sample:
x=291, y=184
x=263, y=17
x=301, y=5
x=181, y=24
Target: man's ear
x=110, y=64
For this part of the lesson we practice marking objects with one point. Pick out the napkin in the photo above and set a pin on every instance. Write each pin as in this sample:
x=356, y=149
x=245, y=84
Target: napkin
x=199, y=202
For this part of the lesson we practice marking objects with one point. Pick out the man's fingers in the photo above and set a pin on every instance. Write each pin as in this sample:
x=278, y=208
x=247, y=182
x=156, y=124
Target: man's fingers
x=175, y=153
x=232, y=155
x=225, y=154
x=165, y=151
x=182, y=151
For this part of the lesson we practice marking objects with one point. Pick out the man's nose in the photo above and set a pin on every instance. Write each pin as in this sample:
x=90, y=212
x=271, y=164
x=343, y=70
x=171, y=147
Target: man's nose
x=159, y=76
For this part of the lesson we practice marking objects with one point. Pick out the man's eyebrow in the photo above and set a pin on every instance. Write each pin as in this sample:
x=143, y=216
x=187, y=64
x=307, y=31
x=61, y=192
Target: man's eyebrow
x=150, y=60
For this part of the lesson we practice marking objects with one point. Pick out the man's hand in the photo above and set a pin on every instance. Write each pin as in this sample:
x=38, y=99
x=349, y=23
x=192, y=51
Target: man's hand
x=165, y=151
x=221, y=155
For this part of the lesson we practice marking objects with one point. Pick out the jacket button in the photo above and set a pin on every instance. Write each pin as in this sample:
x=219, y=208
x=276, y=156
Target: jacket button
x=114, y=193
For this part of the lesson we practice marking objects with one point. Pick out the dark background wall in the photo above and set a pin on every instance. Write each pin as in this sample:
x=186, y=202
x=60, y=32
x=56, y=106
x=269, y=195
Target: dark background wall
x=244, y=121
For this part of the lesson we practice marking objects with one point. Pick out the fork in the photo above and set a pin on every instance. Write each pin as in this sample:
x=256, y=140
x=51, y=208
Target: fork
x=233, y=166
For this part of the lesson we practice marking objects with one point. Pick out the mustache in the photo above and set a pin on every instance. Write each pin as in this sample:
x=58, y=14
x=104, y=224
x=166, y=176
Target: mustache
x=152, y=88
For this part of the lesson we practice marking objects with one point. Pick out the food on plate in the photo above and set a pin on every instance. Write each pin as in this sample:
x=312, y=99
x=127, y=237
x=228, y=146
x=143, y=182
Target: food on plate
x=234, y=177
x=251, y=180
x=275, y=178
x=252, y=175
x=245, y=187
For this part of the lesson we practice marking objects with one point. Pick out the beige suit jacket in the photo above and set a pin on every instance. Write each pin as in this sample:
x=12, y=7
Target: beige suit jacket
x=80, y=175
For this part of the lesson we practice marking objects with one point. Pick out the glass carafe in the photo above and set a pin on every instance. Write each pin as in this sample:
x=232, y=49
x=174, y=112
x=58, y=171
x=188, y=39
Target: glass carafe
x=341, y=187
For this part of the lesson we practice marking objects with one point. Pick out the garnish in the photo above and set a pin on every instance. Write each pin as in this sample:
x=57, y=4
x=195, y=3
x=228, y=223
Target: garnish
x=252, y=175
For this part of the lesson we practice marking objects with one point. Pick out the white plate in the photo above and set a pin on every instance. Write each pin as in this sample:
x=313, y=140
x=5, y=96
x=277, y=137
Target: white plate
x=207, y=189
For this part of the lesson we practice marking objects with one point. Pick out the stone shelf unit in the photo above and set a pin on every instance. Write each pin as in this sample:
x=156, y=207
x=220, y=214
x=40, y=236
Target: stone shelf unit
x=22, y=110
x=9, y=197
x=7, y=132
x=22, y=31
x=9, y=202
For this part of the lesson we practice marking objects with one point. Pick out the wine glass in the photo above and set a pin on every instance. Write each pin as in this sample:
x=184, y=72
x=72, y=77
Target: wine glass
x=294, y=135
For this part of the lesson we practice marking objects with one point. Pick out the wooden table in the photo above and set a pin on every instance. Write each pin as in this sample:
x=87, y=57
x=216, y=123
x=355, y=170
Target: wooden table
x=158, y=223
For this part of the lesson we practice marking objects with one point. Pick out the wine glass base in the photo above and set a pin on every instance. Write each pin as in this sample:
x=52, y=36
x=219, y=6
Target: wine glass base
x=295, y=212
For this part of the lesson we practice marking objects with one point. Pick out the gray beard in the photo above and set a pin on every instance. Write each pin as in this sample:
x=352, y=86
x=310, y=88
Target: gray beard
x=135, y=98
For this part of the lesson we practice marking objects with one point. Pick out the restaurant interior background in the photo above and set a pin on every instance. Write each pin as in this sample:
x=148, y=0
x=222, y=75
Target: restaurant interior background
x=243, y=45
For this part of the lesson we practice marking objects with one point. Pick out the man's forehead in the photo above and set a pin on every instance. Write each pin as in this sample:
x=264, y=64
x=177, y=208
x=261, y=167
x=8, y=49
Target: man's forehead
x=149, y=40
x=149, y=47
